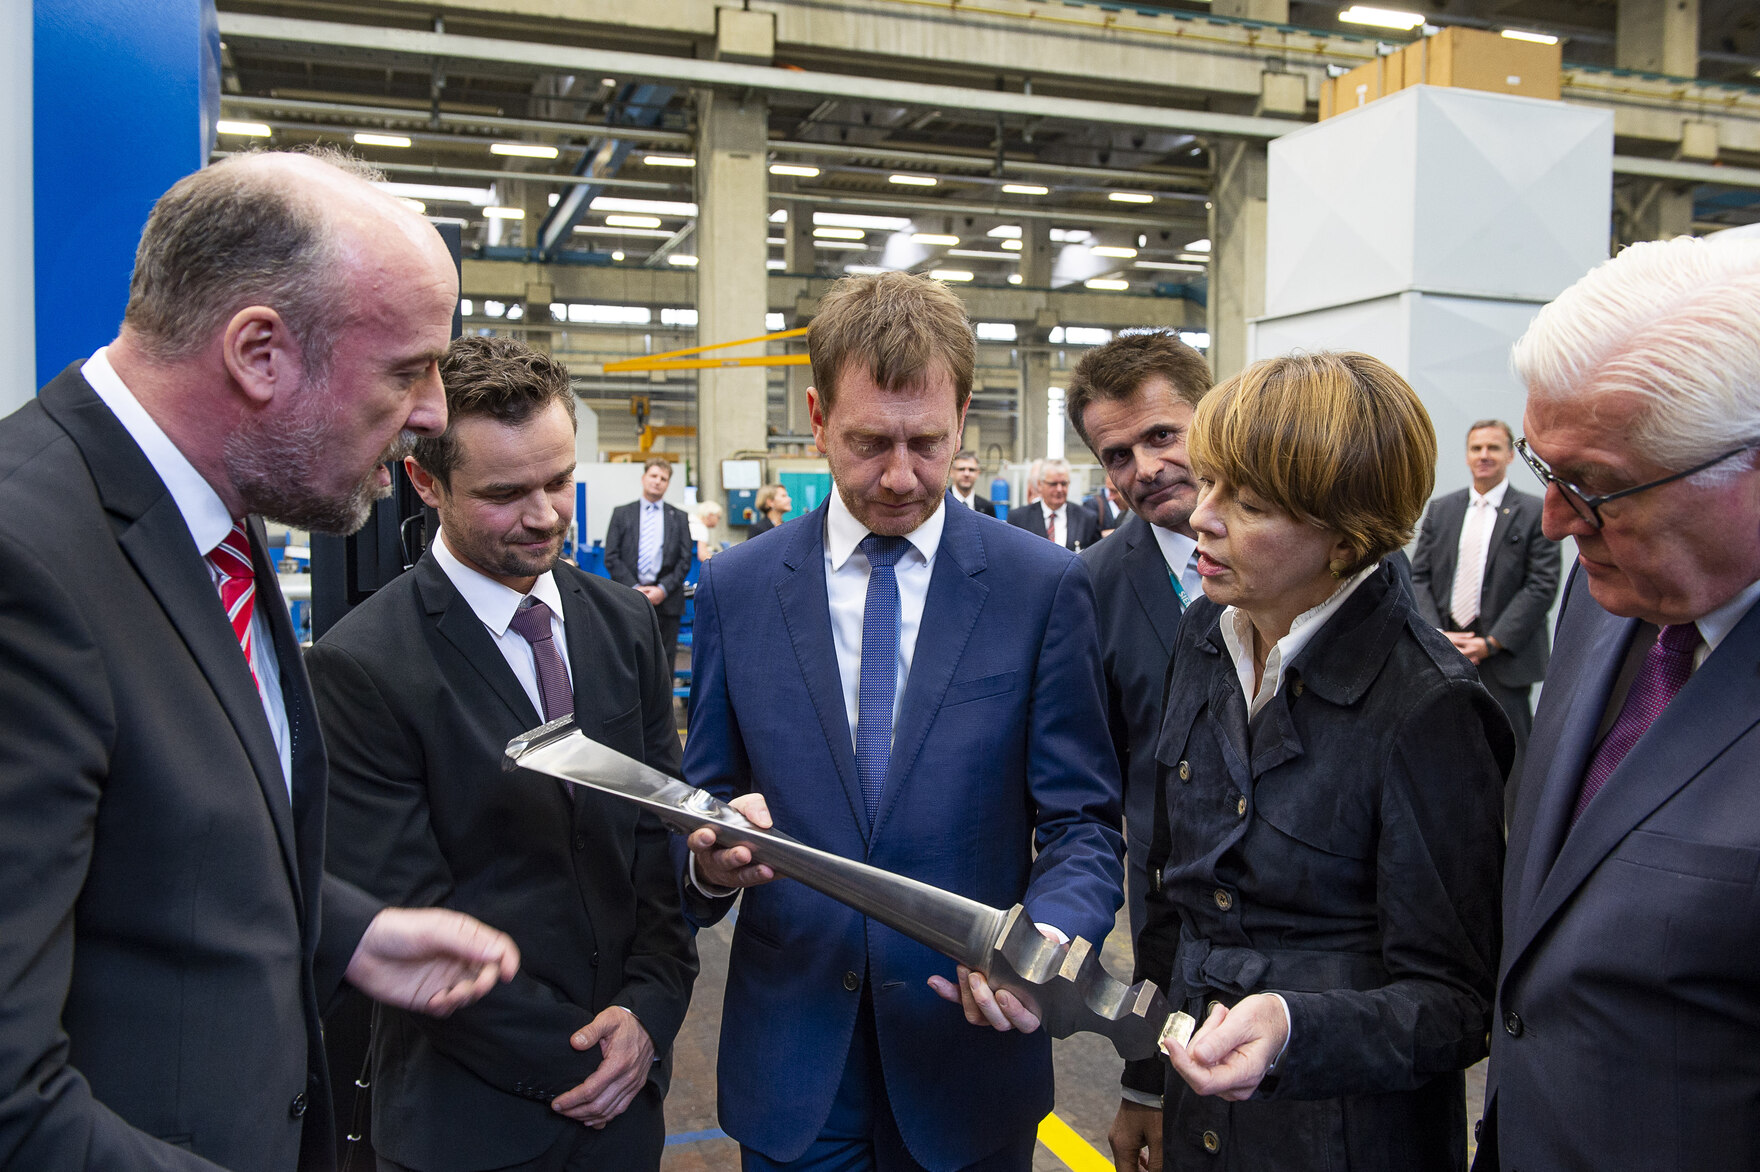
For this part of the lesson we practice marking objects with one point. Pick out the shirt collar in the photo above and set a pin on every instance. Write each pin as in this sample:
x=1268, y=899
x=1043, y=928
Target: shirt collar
x=488, y=599
x=1048, y=510
x=1495, y=496
x=1717, y=625
x=651, y=505
x=1237, y=633
x=1176, y=548
x=965, y=498
x=203, y=511
x=843, y=533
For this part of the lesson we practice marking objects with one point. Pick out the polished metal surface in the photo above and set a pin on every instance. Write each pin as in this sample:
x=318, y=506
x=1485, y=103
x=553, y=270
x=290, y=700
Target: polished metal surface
x=1064, y=984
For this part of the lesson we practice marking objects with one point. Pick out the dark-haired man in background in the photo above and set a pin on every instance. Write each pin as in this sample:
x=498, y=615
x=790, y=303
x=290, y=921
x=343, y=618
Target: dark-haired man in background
x=965, y=484
x=419, y=689
x=648, y=546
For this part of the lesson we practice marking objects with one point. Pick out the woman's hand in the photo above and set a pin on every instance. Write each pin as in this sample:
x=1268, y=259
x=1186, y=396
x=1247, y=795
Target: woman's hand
x=1234, y=1048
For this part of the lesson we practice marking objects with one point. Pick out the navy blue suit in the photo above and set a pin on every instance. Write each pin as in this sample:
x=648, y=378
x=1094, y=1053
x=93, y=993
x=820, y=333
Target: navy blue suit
x=1000, y=747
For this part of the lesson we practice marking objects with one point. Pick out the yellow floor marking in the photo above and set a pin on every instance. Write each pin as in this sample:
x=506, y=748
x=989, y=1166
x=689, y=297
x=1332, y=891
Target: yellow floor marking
x=1076, y=1153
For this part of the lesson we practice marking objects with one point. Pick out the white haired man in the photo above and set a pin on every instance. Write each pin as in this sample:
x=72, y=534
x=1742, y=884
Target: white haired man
x=1052, y=516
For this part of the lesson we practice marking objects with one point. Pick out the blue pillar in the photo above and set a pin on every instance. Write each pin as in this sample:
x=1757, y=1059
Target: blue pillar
x=125, y=94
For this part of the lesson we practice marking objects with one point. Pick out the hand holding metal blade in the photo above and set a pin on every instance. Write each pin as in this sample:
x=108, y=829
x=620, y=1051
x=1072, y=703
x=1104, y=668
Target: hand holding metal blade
x=1064, y=985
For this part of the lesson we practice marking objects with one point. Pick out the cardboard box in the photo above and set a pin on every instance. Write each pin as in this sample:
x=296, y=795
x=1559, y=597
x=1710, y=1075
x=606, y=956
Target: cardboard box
x=1357, y=88
x=1473, y=59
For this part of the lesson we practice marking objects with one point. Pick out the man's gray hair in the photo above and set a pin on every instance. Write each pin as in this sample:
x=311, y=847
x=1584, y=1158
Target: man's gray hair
x=230, y=236
x=1046, y=467
x=1676, y=322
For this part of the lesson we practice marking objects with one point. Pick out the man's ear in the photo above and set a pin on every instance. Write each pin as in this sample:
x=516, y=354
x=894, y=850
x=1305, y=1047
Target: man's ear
x=261, y=354
x=816, y=412
x=426, y=484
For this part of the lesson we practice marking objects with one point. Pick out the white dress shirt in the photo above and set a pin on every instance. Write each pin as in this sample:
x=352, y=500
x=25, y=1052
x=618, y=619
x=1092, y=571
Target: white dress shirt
x=1181, y=555
x=969, y=500
x=846, y=589
x=1062, y=515
x=1715, y=627
x=495, y=604
x=209, y=523
x=1237, y=633
x=1494, y=501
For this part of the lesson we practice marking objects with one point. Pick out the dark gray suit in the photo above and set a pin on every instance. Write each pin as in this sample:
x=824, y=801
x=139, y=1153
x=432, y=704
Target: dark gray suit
x=1519, y=583
x=417, y=704
x=1627, y=1032
x=1082, y=530
x=160, y=943
x=623, y=547
x=1139, y=616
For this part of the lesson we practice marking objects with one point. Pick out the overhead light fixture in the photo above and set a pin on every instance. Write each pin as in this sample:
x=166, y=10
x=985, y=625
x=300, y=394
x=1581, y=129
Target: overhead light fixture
x=1131, y=197
x=617, y=254
x=1070, y=235
x=439, y=193
x=605, y=230
x=524, y=150
x=609, y=83
x=932, y=238
x=669, y=160
x=1025, y=189
x=625, y=221
x=1014, y=278
x=1012, y=245
x=865, y=270
x=652, y=207
x=552, y=199
x=775, y=266
x=384, y=140
x=505, y=213
x=1200, y=245
x=857, y=220
x=414, y=205
x=774, y=240
x=1114, y=250
x=683, y=262
x=243, y=129
x=982, y=254
x=1107, y=284
x=1516, y=34
x=913, y=180
x=1170, y=266
x=779, y=216
x=855, y=244
x=1380, y=17
x=840, y=234
x=950, y=275
x=1006, y=231
x=1194, y=258
x=795, y=170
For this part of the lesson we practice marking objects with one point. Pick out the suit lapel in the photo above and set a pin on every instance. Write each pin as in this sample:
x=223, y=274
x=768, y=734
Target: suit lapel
x=950, y=612
x=806, y=612
x=1146, y=570
x=1506, y=514
x=455, y=619
x=1451, y=512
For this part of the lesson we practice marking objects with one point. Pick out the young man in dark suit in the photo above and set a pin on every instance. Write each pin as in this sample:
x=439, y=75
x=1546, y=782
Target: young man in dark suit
x=964, y=484
x=648, y=546
x=1486, y=575
x=419, y=689
x=167, y=935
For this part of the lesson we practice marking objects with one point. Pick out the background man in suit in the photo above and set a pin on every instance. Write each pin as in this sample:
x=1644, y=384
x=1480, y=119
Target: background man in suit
x=1108, y=506
x=648, y=546
x=419, y=689
x=965, y=484
x=1486, y=575
x=167, y=936
x=1628, y=1011
x=1072, y=527
x=954, y=673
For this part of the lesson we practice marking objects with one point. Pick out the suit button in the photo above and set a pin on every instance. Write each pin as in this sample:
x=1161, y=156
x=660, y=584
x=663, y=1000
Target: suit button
x=1298, y=688
x=298, y=1107
x=851, y=981
x=1212, y=1142
x=1185, y=771
x=580, y=842
x=1512, y=1023
x=1223, y=899
x=1240, y=806
x=594, y=959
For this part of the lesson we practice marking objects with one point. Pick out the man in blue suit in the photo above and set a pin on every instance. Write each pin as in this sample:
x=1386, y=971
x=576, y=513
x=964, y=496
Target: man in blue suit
x=1628, y=1000
x=904, y=683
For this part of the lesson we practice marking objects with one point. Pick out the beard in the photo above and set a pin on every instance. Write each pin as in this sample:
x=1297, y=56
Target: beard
x=277, y=471
x=498, y=556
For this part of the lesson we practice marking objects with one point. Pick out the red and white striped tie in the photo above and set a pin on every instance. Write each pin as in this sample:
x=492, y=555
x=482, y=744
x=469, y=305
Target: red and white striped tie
x=238, y=586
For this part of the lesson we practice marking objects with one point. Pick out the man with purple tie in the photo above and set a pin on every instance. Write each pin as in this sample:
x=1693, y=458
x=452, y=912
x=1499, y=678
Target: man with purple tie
x=1628, y=1004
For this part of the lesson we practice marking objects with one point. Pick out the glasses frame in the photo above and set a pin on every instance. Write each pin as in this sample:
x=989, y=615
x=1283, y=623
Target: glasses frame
x=1588, y=507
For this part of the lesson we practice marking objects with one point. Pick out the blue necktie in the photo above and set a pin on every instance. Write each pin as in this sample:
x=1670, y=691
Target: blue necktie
x=648, y=547
x=878, y=684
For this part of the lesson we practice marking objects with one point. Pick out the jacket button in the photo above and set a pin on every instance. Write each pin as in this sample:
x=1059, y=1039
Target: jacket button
x=1298, y=687
x=851, y=981
x=1223, y=899
x=1240, y=806
x=1212, y=1142
x=1512, y=1023
x=1185, y=771
x=580, y=842
x=298, y=1107
x=594, y=959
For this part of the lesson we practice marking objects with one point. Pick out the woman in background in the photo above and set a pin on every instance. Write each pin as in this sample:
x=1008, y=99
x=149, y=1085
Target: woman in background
x=772, y=505
x=705, y=520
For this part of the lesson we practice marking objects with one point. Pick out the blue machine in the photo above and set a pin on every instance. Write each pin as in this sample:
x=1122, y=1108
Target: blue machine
x=999, y=497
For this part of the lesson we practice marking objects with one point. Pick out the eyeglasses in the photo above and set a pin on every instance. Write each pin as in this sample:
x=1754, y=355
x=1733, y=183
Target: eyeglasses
x=1588, y=507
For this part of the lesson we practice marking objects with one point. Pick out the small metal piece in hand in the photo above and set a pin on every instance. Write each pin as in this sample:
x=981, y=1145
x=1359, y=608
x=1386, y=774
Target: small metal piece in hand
x=1064, y=985
x=1179, y=1028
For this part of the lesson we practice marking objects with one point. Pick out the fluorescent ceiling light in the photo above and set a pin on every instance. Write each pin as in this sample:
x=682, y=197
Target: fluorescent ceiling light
x=934, y=239
x=617, y=254
x=686, y=262
x=414, y=205
x=1516, y=34
x=1169, y=266
x=1107, y=284
x=1131, y=197
x=524, y=150
x=779, y=216
x=982, y=254
x=950, y=275
x=1199, y=245
x=855, y=244
x=912, y=180
x=1006, y=231
x=243, y=129
x=650, y=233
x=793, y=169
x=1113, y=250
x=775, y=266
x=653, y=207
x=384, y=140
x=1070, y=236
x=627, y=221
x=1012, y=245
x=840, y=233
x=997, y=331
x=669, y=160
x=774, y=240
x=864, y=270
x=1025, y=189
x=855, y=220
x=1380, y=17
x=553, y=199
x=1195, y=257
x=505, y=213
x=1014, y=278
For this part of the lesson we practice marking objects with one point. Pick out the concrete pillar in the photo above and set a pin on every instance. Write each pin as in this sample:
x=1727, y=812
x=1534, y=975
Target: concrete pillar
x=1658, y=36
x=1237, y=251
x=1036, y=372
x=1652, y=210
x=1269, y=11
x=797, y=239
x=1036, y=258
x=732, y=284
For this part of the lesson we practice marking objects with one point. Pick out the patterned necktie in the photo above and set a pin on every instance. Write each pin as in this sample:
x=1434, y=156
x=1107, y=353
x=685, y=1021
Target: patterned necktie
x=877, y=687
x=648, y=551
x=1468, y=576
x=1051, y=525
x=1666, y=667
x=238, y=587
x=532, y=621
